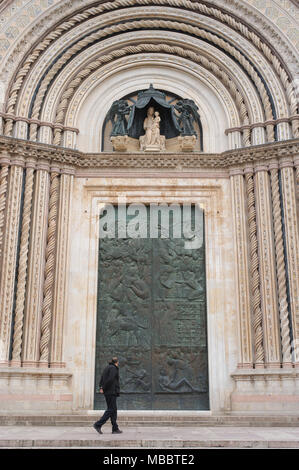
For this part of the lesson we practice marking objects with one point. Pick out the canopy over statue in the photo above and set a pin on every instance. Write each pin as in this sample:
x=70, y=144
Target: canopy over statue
x=169, y=126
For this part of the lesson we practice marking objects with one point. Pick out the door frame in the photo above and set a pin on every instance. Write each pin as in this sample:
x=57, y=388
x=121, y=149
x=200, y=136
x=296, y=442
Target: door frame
x=90, y=195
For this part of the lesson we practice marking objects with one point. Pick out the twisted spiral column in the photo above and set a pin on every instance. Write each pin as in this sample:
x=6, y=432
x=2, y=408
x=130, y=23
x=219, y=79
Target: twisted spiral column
x=242, y=264
x=267, y=267
x=9, y=258
x=281, y=270
x=49, y=270
x=22, y=272
x=3, y=196
x=254, y=271
x=292, y=245
x=35, y=275
x=61, y=270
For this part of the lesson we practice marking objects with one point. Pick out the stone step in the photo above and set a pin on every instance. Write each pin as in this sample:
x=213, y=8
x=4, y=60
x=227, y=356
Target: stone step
x=150, y=419
x=149, y=437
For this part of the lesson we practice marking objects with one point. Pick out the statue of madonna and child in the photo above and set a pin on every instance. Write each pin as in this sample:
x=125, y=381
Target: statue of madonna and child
x=152, y=140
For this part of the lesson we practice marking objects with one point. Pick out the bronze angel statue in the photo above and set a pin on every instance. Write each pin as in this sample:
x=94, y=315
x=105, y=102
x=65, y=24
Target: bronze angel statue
x=119, y=109
x=188, y=115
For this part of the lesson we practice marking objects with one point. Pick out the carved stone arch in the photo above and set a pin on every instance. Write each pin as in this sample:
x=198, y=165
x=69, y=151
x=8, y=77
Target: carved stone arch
x=165, y=74
x=59, y=81
x=216, y=56
x=241, y=16
x=220, y=15
x=248, y=67
x=173, y=14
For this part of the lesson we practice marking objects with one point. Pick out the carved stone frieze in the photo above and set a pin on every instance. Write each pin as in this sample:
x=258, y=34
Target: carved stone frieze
x=76, y=159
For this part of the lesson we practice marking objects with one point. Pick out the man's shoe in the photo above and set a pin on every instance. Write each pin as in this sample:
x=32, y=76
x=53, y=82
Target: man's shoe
x=117, y=431
x=98, y=429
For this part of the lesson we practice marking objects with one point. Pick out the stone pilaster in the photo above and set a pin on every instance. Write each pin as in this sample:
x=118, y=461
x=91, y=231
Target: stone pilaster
x=242, y=268
x=23, y=265
x=280, y=267
x=36, y=266
x=292, y=245
x=9, y=258
x=49, y=269
x=259, y=355
x=269, y=300
x=61, y=274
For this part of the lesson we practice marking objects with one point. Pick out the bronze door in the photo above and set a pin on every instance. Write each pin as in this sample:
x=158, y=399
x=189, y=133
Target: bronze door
x=152, y=315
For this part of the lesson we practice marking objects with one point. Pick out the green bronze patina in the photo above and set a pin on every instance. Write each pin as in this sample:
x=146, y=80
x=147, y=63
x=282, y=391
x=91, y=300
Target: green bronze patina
x=152, y=314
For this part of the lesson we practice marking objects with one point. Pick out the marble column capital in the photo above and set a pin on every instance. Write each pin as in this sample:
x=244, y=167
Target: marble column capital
x=286, y=162
x=260, y=166
x=43, y=165
x=236, y=171
x=248, y=169
x=273, y=164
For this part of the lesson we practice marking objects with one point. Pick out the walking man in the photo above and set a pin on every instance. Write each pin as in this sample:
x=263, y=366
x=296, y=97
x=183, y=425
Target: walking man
x=109, y=386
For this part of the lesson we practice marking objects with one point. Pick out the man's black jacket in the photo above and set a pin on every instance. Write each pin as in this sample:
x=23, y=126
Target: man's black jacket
x=110, y=380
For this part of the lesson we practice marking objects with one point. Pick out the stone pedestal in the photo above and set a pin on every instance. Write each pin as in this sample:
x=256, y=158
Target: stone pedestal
x=187, y=143
x=152, y=147
x=120, y=143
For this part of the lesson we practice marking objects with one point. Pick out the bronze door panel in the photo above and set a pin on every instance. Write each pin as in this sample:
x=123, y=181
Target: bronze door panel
x=152, y=315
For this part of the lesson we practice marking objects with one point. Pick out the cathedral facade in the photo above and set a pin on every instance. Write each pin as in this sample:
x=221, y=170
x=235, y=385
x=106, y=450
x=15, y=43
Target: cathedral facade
x=114, y=105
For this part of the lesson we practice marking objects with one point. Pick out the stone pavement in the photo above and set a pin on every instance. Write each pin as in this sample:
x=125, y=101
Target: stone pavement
x=149, y=437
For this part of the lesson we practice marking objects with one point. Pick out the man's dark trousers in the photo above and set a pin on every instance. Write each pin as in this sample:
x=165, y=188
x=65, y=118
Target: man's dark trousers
x=111, y=413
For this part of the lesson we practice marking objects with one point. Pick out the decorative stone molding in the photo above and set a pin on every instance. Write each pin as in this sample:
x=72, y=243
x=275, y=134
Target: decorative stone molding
x=61, y=273
x=269, y=302
x=292, y=246
x=259, y=356
x=3, y=196
x=242, y=268
x=280, y=267
x=30, y=354
x=77, y=159
x=9, y=258
x=202, y=8
x=22, y=269
x=49, y=270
